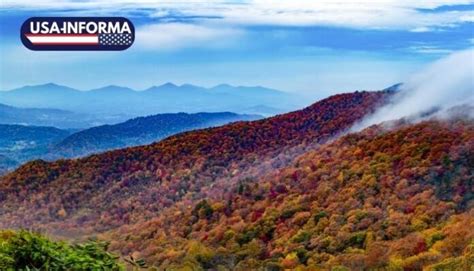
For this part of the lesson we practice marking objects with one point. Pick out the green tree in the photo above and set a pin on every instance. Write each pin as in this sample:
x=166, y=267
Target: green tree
x=26, y=250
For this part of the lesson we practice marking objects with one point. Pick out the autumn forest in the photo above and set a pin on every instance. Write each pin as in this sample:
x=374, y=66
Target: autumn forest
x=297, y=191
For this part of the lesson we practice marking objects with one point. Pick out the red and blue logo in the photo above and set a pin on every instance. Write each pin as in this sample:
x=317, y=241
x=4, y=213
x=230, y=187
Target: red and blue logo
x=77, y=33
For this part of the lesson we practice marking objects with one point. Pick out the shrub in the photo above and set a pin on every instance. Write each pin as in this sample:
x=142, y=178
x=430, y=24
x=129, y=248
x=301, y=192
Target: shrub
x=26, y=250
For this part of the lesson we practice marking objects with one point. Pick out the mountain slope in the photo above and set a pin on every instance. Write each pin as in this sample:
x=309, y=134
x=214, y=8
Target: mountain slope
x=139, y=131
x=399, y=199
x=108, y=190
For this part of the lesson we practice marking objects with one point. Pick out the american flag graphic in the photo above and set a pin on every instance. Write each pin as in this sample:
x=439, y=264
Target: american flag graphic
x=81, y=39
x=115, y=39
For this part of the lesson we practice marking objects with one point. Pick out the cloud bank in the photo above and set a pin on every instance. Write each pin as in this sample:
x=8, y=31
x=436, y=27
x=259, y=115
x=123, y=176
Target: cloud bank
x=445, y=84
x=417, y=16
x=169, y=25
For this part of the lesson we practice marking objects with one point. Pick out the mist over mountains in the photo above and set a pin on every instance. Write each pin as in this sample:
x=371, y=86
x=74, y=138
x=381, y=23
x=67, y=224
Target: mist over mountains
x=436, y=90
x=115, y=103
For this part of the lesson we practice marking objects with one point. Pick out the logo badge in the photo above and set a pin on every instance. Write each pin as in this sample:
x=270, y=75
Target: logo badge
x=77, y=33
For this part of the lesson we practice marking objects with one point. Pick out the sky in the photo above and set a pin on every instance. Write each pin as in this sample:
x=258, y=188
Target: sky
x=316, y=48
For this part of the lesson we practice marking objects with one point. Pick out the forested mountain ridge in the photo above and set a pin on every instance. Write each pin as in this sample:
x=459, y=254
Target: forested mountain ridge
x=23, y=143
x=139, y=131
x=96, y=193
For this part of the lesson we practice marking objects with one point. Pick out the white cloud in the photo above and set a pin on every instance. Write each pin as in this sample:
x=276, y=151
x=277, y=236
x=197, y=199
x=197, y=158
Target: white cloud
x=429, y=49
x=421, y=29
x=468, y=18
x=385, y=14
x=380, y=14
x=444, y=84
x=171, y=36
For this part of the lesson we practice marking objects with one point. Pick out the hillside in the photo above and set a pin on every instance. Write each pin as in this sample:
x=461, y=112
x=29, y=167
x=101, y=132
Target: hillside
x=105, y=191
x=139, y=131
x=401, y=199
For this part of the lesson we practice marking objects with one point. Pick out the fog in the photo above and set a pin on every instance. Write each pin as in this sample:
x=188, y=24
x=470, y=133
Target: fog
x=445, y=84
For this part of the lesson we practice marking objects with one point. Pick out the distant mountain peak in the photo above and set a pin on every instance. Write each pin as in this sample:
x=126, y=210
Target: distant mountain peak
x=222, y=86
x=112, y=87
x=50, y=85
x=45, y=87
x=168, y=85
x=165, y=86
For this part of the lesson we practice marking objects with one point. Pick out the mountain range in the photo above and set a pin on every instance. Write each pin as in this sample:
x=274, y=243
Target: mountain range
x=121, y=103
x=291, y=192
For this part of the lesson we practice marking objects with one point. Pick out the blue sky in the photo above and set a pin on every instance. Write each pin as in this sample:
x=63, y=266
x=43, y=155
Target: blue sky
x=311, y=47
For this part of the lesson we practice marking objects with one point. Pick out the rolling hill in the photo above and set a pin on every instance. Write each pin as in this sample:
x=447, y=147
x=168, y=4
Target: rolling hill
x=139, y=131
